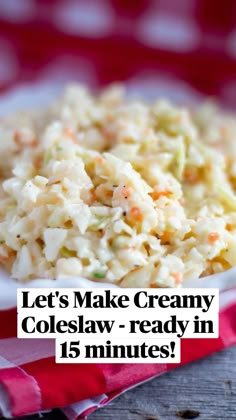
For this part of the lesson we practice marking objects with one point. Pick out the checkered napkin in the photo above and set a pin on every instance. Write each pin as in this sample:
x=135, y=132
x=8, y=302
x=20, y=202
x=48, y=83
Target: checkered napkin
x=184, y=49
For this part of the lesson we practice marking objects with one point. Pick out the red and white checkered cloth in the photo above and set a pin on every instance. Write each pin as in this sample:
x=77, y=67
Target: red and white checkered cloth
x=159, y=43
x=185, y=49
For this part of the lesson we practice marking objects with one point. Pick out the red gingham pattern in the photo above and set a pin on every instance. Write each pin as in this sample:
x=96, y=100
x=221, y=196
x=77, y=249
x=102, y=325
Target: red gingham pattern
x=185, y=48
x=101, y=41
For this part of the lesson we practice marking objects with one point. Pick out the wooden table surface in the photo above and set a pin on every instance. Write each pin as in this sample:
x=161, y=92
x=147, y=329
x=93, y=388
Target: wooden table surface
x=204, y=390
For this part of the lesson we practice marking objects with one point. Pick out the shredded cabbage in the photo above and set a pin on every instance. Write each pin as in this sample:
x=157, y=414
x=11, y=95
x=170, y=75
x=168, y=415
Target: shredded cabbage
x=137, y=194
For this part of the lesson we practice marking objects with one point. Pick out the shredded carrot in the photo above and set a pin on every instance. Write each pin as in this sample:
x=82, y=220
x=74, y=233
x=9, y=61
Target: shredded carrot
x=108, y=134
x=109, y=193
x=224, y=131
x=69, y=132
x=147, y=131
x=34, y=142
x=8, y=253
x=217, y=145
x=99, y=159
x=136, y=214
x=71, y=135
x=190, y=176
x=18, y=139
x=38, y=163
x=212, y=237
x=157, y=194
x=93, y=195
x=126, y=191
x=178, y=277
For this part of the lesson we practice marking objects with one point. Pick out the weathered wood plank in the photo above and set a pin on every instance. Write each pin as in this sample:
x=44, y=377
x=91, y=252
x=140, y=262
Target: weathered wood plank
x=204, y=390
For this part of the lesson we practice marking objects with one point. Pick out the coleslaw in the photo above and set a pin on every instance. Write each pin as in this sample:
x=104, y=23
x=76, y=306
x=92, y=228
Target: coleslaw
x=132, y=193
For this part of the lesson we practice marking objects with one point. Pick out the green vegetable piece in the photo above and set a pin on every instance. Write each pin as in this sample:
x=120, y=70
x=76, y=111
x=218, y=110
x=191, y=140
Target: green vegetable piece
x=98, y=275
x=59, y=148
